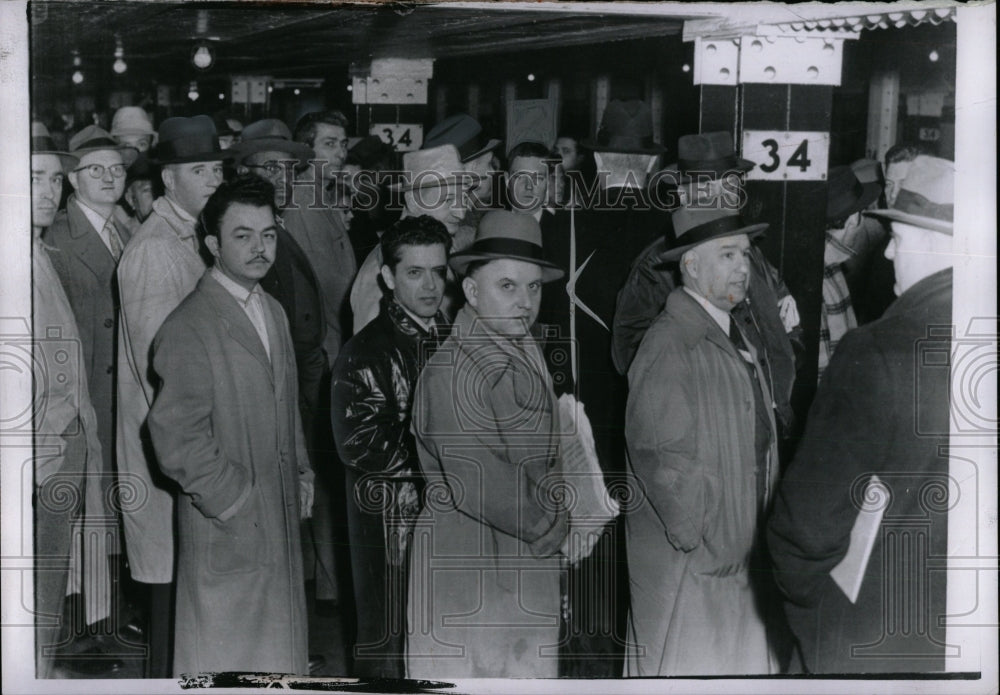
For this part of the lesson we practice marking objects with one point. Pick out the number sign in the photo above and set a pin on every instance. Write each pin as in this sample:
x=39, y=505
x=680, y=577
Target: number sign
x=404, y=137
x=786, y=156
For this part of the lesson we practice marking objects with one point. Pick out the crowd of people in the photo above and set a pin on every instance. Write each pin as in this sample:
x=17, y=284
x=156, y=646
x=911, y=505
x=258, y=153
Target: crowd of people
x=547, y=384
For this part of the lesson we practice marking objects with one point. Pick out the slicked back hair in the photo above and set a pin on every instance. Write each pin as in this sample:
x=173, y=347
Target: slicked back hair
x=412, y=231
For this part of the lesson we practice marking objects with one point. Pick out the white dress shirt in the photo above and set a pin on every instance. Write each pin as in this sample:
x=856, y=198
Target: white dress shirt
x=250, y=301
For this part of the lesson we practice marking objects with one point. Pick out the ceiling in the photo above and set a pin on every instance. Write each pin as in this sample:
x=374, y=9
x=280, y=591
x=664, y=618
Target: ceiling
x=296, y=40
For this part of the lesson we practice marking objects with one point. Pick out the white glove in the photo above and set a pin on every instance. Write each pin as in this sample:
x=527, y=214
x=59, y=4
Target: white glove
x=306, y=493
x=789, y=313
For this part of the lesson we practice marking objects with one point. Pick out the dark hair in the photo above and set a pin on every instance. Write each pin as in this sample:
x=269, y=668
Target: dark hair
x=305, y=129
x=530, y=149
x=905, y=152
x=247, y=189
x=412, y=231
x=476, y=265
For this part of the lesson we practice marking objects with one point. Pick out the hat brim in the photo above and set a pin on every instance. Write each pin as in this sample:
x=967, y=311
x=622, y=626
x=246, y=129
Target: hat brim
x=673, y=255
x=67, y=160
x=869, y=194
x=931, y=223
x=674, y=172
x=129, y=154
x=595, y=146
x=298, y=150
x=490, y=146
x=460, y=262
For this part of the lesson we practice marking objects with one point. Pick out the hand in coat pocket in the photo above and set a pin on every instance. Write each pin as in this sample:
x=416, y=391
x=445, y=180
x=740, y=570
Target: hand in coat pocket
x=239, y=543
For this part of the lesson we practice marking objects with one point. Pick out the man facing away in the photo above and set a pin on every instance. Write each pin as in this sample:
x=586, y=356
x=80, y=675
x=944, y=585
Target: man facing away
x=161, y=265
x=373, y=380
x=702, y=446
x=882, y=409
x=225, y=426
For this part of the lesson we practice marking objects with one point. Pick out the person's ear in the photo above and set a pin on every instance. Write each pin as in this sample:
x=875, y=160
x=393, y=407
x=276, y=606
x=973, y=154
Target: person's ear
x=471, y=291
x=167, y=175
x=212, y=244
x=72, y=177
x=689, y=261
x=387, y=277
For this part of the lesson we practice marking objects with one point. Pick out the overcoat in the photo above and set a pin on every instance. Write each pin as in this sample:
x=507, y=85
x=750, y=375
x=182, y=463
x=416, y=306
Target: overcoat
x=882, y=408
x=225, y=424
x=158, y=269
x=693, y=524
x=485, y=564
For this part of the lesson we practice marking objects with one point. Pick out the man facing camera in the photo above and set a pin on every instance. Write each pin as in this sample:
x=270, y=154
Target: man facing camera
x=226, y=427
x=372, y=383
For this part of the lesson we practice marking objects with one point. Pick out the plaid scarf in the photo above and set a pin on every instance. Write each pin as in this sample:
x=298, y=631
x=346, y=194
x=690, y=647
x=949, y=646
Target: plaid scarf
x=837, y=314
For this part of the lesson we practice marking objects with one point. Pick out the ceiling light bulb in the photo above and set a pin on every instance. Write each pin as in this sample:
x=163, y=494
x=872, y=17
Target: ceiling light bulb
x=934, y=56
x=76, y=60
x=202, y=57
x=222, y=95
x=119, y=66
x=77, y=77
x=686, y=67
x=350, y=88
x=297, y=91
x=531, y=77
x=193, y=92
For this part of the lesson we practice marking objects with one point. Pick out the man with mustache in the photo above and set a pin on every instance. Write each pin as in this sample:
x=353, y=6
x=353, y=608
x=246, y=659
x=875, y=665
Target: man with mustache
x=702, y=445
x=226, y=428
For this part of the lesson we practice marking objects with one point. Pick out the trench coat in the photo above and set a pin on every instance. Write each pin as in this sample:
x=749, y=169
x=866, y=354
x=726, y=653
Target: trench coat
x=882, y=408
x=225, y=425
x=86, y=269
x=485, y=565
x=158, y=269
x=693, y=524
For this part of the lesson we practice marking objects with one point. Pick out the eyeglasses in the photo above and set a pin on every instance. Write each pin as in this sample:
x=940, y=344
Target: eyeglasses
x=272, y=168
x=96, y=171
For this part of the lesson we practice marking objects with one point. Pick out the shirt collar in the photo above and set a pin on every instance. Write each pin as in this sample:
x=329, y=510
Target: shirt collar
x=180, y=212
x=93, y=216
x=718, y=315
x=239, y=293
x=426, y=324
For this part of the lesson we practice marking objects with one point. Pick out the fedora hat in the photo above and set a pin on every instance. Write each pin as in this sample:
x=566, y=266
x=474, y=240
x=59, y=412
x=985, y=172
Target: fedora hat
x=94, y=139
x=42, y=143
x=269, y=135
x=140, y=170
x=846, y=194
x=132, y=120
x=706, y=153
x=226, y=125
x=869, y=171
x=186, y=140
x=464, y=132
x=439, y=166
x=926, y=196
x=695, y=225
x=626, y=127
x=506, y=234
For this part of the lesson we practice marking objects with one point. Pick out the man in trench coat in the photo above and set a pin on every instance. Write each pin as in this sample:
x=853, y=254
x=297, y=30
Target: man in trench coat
x=702, y=444
x=226, y=427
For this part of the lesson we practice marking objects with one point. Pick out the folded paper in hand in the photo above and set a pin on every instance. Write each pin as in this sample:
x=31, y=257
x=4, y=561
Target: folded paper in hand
x=849, y=573
x=590, y=505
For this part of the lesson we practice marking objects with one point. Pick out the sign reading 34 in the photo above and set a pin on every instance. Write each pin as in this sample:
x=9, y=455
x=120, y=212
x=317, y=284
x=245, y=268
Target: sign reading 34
x=404, y=137
x=786, y=155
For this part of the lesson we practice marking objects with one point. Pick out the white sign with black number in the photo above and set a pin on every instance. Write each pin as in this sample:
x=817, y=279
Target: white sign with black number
x=404, y=137
x=786, y=155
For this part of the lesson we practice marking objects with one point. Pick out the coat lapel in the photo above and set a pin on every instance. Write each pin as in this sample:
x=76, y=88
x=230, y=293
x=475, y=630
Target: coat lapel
x=235, y=320
x=279, y=351
x=86, y=244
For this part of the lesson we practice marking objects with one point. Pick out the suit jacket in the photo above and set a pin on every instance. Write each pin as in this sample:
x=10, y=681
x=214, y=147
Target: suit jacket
x=226, y=428
x=320, y=231
x=293, y=283
x=158, y=269
x=881, y=408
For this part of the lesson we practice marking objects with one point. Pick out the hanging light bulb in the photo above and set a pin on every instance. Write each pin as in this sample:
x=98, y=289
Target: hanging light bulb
x=686, y=67
x=77, y=77
x=119, y=66
x=296, y=91
x=531, y=77
x=202, y=57
x=933, y=57
x=193, y=92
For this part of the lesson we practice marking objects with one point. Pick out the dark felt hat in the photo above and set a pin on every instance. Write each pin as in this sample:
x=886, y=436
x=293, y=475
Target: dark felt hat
x=186, y=140
x=926, y=196
x=706, y=153
x=626, y=127
x=94, y=139
x=141, y=170
x=696, y=225
x=270, y=135
x=506, y=234
x=464, y=132
x=42, y=143
x=846, y=194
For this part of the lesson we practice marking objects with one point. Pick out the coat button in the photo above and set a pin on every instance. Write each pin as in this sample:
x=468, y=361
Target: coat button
x=109, y=369
x=108, y=323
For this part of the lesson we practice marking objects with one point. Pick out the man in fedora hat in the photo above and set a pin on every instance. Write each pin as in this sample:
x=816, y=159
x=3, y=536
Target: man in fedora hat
x=709, y=171
x=160, y=267
x=88, y=241
x=64, y=417
x=433, y=184
x=141, y=183
x=478, y=156
x=602, y=240
x=882, y=409
x=702, y=444
x=131, y=126
x=847, y=198
x=267, y=150
x=485, y=423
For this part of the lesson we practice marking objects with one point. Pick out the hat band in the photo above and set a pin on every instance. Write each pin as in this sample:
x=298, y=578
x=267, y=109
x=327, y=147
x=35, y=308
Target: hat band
x=507, y=248
x=471, y=147
x=717, y=166
x=188, y=147
x=42, y=143
x=97, y=144
x=710, y=230
x=916, y=204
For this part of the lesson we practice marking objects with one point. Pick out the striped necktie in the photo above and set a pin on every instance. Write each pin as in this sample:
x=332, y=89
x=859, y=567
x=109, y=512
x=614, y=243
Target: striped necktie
x=114, y=242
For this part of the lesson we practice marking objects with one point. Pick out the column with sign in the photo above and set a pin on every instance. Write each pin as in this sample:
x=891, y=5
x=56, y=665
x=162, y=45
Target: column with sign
x=394, y=89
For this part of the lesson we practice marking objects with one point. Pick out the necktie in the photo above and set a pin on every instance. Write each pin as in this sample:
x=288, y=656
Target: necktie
x=113, y=241
x=255, y=310
x=736, y=336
